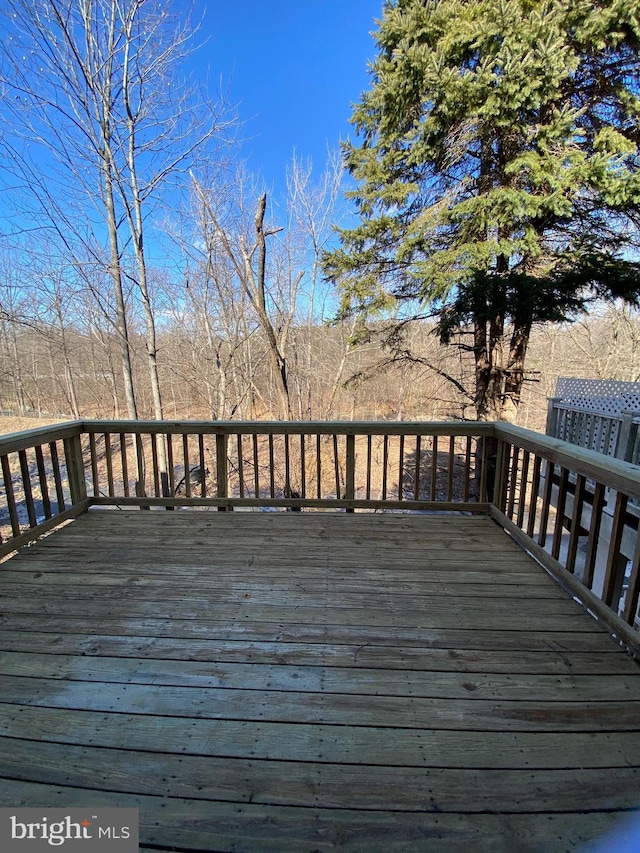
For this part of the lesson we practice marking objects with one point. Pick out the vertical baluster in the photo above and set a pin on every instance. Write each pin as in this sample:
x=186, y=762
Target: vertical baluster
x=633, y=591
x=546, y=503
x=287, y=467
x=125, y=470
x=26, y=486
x=154, y=464
x=597, y=507
x=170, y=465
x=576, y=518
x=559, y=521
x=222, y=469
x=452, y=462
x=336, y=465
x=203, y=466
x=484, y=468
x=11, y=500
x=416, y=475
x=94, y=465
x=350, y=470
x=44, y=487
x=434, y=467
x=240, y=466
x=303, y=467
x=503, y=459
x=256, y=475
x=401, y=468
x=616, y=563
x=524, y=482
x=272, y=481
x=533, y=498
x=319, y=465
x=467, y=470
x=109, y=461
x=512, y=481
x=385, y=462
x=369, y=466
x=185, y=460
x=141, y=485
x=57, y=478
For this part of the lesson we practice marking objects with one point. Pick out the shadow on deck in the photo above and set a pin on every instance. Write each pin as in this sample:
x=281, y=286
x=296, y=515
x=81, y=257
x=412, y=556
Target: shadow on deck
x=311, y=682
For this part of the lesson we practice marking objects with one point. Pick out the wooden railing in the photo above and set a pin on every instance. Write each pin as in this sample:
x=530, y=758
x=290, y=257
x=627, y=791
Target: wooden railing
x=571, y=508
x=52, y=474
x=284, y=465
x=42, y=482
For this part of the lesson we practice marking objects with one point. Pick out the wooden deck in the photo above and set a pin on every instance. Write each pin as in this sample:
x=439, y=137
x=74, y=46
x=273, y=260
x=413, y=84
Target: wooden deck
x=311, y=682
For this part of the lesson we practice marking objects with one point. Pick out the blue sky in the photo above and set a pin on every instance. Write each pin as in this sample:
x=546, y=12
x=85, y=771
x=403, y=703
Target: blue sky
x=294, y=69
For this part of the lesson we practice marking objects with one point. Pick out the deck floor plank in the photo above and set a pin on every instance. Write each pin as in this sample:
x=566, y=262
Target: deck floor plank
x=312, y=681
x=223, y=826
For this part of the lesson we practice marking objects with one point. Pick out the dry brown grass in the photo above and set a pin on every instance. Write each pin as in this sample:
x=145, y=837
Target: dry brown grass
x=8, y=425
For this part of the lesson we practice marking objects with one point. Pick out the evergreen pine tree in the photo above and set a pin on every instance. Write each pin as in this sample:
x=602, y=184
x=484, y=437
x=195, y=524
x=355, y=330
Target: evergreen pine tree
x=497, y=172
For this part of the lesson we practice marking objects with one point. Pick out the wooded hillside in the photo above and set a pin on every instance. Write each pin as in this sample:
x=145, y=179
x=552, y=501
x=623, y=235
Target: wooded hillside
x=63, y=371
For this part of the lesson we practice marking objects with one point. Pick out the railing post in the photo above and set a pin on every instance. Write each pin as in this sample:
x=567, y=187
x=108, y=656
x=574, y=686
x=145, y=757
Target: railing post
x=552, y=416
x=350, y=472
x=222, y=469
x=626, y=437
x=75, y=469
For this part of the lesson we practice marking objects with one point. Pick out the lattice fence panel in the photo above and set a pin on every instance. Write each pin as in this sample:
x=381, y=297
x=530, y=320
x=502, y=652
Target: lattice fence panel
x=606, y=396
x=590, y=413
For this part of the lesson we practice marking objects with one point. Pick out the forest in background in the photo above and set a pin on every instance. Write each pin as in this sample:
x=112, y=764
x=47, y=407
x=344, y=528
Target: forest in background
x=64, y=371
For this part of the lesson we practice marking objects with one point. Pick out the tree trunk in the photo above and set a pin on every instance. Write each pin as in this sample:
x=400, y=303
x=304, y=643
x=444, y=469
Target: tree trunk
x=121, y=323
x=18, y=384
x=278, y=361
x=514, y=377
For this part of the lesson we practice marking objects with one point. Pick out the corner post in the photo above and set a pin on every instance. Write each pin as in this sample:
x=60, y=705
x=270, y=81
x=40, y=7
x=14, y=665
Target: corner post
x=75, y=469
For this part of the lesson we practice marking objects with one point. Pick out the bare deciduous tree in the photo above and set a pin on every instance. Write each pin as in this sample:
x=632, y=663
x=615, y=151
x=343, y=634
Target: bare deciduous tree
x=89, y=86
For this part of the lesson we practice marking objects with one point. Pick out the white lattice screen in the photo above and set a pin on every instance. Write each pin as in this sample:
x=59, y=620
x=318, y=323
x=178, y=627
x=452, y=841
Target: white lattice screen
x=589, y=413
x=606, y=396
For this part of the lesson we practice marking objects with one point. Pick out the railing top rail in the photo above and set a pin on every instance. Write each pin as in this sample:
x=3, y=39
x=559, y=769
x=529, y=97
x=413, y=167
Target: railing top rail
x=587, y=410
x=592, y=410
x=611, y=472
x=14, y=441
x=292, y=427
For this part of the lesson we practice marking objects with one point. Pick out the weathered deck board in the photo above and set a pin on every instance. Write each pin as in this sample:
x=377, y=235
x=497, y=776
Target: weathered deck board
x=218, y=825
x=455, y=651
x=299, y=681
x=365, y=745
x=319, y=679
